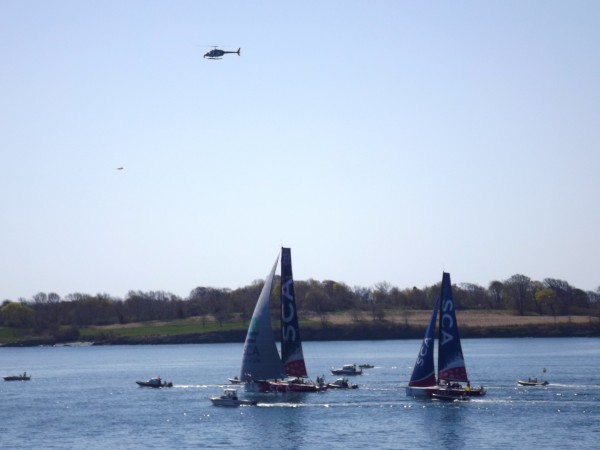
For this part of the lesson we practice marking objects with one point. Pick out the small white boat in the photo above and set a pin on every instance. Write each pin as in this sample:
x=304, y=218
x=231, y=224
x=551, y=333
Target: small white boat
x=155, y=382
x=347, y=369
x=342, y=383
x=230, y=398
x=235, y=380
x=532, y=382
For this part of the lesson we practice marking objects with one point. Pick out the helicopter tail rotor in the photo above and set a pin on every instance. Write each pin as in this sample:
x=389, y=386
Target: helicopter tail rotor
x=238, y=52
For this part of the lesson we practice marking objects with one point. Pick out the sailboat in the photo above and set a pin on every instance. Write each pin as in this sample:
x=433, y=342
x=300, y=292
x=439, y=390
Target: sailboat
x=292, y=355
x=451, y=368
x=262, y=368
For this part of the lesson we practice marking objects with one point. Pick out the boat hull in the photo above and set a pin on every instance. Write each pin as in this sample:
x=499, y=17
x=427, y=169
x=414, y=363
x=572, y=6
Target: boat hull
x=344, y=372
x=287, y=386
x=450, y=396
x=476, y=392
x=342, y=383
x=17, y=378
x=422, y=392
x=256, y=386
x=230, y=398
x=347, y=371
x=532, y=383
x=218, y=401
x=153, y=385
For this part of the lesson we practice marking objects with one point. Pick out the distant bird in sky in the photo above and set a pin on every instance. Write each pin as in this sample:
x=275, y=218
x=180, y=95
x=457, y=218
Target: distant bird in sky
x=119, y=168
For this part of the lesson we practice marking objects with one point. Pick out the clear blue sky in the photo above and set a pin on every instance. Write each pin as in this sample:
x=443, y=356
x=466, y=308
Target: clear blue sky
x=380, y=140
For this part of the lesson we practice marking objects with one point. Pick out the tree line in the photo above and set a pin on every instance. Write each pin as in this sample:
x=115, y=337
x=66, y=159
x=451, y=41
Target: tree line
x=48, y=313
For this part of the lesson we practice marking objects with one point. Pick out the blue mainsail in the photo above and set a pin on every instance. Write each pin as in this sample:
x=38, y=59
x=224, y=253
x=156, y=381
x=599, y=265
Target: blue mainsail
x=451, y=363
x=291, y=344
x=261, y=360
x=424, y=371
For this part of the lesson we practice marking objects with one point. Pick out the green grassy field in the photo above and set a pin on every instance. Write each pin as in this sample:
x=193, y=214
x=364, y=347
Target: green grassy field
x=158, y=329
x=417, y=320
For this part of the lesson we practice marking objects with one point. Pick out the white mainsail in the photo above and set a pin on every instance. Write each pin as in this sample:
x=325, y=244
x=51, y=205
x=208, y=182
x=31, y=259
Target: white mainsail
x=261, y=359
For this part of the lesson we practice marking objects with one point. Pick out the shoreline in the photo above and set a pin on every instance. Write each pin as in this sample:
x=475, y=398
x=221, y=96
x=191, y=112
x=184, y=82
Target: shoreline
x=374, y=332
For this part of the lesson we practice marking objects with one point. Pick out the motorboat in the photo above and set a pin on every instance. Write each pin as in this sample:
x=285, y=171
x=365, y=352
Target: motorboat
x=155, y=382
x=342, y=383
x=533, y=382
x=230, y=398
x=347, y=369
x=20, y=377
x=366, y=366
x=235, y=380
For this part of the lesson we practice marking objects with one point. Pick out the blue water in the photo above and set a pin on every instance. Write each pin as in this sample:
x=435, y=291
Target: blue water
x=86, y=397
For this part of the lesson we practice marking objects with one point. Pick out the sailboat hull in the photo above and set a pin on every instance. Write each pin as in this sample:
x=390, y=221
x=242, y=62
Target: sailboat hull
x=476, y=392
x=256, y=387
x=450, y=395
x=424, y=392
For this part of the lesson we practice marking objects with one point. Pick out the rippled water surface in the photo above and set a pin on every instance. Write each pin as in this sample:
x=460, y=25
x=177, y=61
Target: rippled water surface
x=86, y=397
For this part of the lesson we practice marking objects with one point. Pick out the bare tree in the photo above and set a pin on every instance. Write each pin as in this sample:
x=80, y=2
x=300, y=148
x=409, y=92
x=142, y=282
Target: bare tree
x=519, y=289
x=547, y=298
x=496, y=290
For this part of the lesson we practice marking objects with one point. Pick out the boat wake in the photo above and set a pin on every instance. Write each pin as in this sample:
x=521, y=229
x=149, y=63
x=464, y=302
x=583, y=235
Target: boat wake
x=573, y=386
x=194, y=386
x=285, y=405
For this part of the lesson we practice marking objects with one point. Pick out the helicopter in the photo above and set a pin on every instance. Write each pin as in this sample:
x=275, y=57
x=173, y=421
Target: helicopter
x=217, y=53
